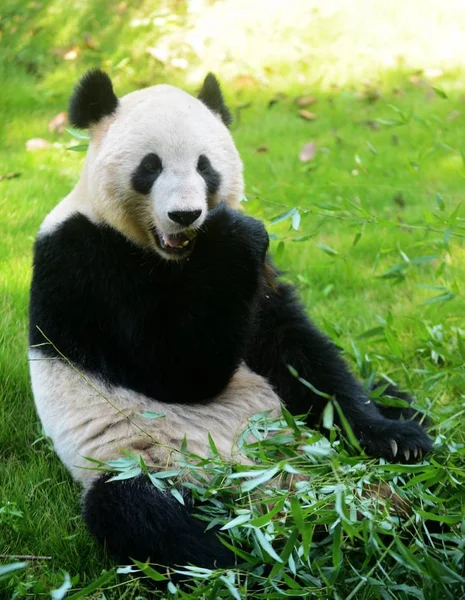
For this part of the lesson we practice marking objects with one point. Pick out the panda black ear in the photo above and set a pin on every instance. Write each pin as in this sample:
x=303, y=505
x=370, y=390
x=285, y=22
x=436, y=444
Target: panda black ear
x=211, y=95
x=93, y=98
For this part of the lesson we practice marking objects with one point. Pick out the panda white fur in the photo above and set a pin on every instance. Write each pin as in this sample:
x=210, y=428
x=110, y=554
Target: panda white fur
x=150, y=292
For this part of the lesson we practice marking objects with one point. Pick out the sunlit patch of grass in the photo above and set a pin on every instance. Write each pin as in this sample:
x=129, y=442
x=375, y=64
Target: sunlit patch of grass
x=380, y=263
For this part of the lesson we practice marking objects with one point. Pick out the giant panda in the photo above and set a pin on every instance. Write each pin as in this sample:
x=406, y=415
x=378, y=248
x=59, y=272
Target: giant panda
x=152, y=292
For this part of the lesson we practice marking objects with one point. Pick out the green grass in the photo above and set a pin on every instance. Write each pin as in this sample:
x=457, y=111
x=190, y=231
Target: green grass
x=380, y=266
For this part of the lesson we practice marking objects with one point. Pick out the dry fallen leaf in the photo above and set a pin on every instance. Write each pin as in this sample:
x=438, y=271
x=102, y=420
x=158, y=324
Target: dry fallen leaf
x=58, y=123
x=245, y=81
x=89, y=41
x=10, y=176
x=262, y=150
x=307, y=115
x=121, y=8
x=304, y=101
x=307, y=152
x=35, y=144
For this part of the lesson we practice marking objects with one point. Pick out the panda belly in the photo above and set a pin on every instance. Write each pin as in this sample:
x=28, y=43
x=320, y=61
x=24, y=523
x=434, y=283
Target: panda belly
x=85, y=418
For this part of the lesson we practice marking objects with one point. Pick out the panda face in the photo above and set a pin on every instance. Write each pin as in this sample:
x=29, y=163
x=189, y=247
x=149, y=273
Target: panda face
x=158, y=163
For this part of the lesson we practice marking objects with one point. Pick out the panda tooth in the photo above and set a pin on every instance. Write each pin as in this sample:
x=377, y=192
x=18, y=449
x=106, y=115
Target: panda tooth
x=185, y=243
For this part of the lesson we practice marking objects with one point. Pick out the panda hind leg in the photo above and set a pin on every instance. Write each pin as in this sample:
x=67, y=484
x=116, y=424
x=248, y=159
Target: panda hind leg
x=133, y=519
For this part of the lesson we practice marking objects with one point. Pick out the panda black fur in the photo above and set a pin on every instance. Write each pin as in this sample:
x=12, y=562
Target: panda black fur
x=161, y=297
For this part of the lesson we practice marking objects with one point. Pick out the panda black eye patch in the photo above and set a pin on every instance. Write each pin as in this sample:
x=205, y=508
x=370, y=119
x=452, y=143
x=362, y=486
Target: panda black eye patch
x=146, y=173
x=212, y=178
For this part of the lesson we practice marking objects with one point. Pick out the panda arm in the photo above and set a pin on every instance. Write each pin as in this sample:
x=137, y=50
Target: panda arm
x=285, y=336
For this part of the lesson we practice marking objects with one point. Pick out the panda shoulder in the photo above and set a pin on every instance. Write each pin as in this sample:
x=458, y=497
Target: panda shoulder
x=69, y=207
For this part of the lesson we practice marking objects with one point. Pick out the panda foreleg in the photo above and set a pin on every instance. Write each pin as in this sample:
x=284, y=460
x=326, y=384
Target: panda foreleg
x=133, y=519
x=284, y=336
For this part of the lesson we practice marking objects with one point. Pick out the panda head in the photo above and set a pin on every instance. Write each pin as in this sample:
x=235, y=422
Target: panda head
x=158, y=160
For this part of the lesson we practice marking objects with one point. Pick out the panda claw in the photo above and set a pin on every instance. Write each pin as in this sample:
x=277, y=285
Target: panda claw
x=415, y=452
x=407, y=454
x=393, y=448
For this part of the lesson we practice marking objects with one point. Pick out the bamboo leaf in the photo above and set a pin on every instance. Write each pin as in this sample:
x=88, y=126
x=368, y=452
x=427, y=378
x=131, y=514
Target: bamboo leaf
x=441, y=93
x=149, y=571
x=94, y=585
x=61, y=592
x=239, y=520
x=79, y=148
x=283, y=216
x=147, y=414
x=266, y=545
x=80, y=135
x=327, y=249
x=11, y=567
x=253, y=483
x=296, y=220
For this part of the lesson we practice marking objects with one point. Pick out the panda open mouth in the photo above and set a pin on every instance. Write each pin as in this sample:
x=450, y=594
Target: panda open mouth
x=177, y=244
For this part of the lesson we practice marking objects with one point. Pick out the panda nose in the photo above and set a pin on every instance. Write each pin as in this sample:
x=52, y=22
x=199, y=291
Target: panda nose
x=184, y=217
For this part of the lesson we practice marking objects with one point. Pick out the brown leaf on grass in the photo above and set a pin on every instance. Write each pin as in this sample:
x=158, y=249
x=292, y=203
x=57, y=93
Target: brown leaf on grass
x=304, y=101
x=245, y=81
x=35, y=144
x=307, y=115
x=58, y=123
x=308, y=152
x=262, y=150
x=10, y=176
x=121, y=8
x=89, y=41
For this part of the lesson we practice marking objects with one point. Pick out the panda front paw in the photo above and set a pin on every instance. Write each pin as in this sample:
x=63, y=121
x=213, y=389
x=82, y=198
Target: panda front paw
x=233, y=227
x=256, y=234
x=396, y=441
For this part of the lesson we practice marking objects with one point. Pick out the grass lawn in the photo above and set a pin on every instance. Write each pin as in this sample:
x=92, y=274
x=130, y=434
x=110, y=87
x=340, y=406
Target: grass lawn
x=370, y=228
